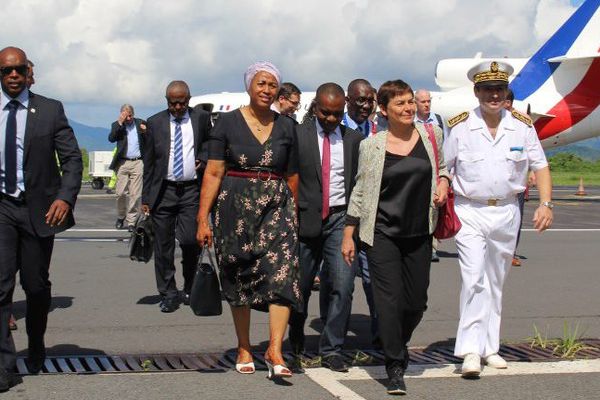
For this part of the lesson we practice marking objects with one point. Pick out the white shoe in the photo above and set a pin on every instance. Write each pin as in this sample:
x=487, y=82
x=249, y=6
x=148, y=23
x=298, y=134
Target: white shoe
x=245, y=368
x=495, y=361
x=471, y=366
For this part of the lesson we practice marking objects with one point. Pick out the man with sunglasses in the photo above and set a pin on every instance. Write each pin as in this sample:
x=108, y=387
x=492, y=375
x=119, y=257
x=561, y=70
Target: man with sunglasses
x=171, y=189
x=288, y=100
x=37, y=196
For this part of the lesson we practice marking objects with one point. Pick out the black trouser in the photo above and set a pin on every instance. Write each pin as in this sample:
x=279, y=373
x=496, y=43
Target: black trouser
x=21, y=249
x=400, y=278
x=175, y=217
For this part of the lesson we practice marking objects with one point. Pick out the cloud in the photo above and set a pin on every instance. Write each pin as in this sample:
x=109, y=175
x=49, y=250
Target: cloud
x=103, y=53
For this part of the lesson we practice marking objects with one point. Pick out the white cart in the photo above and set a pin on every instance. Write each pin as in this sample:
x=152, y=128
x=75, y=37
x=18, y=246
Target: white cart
x=98, y=167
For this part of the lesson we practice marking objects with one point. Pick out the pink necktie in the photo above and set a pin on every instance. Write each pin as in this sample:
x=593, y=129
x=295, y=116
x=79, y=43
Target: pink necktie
x=325, y=167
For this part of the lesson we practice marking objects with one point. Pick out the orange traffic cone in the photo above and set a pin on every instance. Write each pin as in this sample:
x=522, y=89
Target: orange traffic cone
x=580, y=189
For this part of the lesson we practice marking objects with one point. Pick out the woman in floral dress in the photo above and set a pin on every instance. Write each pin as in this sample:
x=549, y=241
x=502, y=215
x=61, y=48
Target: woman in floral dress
x=251, y=180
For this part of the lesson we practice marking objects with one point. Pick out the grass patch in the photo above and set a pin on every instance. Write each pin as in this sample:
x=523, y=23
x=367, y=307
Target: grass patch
x=565, y=347
x=571, y=178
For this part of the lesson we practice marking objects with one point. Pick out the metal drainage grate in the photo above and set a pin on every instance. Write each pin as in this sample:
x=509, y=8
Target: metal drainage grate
x=220, y=362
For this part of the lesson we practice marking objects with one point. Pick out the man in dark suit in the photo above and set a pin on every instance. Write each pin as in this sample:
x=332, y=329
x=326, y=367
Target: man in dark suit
x=327, y=171
x=129, y=133
x=172, y=177
x=36, y=202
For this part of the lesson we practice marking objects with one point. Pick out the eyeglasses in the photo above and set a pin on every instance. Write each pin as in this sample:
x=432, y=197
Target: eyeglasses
x=296, y=103
x=362, y=101
x=178, y=103
x=21, y=70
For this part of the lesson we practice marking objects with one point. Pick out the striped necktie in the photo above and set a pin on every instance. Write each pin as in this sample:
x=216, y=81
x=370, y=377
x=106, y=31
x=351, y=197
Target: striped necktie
x=178, y=151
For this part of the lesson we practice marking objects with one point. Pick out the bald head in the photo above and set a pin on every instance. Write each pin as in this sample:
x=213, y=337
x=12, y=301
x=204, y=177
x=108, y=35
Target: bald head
x=13, y=70
x=178, y=98
x=423, y=100
x=178, y=86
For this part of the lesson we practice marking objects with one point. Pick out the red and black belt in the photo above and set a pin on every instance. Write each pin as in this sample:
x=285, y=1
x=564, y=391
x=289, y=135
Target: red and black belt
x=260, y=174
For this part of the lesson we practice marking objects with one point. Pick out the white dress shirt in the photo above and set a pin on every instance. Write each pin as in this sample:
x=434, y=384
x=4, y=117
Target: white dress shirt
x=492, y=168
x=189, y=158
x=337, y=193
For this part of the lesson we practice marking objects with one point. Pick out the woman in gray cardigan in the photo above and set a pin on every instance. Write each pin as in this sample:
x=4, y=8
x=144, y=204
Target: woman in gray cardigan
x=395, y=205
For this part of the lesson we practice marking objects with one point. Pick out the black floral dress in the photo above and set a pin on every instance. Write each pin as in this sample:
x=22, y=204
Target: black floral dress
x=255, y=224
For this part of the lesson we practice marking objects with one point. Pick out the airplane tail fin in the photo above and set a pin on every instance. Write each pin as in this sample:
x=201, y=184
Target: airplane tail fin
x=577, y=40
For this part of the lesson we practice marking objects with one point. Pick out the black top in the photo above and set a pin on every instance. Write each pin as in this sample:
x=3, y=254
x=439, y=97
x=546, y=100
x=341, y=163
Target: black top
x=405, y=194
x=232, y=140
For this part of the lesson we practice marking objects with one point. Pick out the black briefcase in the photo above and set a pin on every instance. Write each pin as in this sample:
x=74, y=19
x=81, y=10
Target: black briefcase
x=205, y=296
x=141, y=243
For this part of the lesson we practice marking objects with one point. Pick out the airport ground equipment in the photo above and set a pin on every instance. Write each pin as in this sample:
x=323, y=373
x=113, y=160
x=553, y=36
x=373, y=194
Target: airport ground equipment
x=99, y=161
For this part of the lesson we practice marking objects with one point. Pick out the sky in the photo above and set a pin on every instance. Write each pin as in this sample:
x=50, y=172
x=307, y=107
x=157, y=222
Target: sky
x=96, y=55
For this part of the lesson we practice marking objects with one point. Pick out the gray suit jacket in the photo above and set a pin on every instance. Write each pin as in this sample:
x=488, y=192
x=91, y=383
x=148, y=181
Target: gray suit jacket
x=365, y=196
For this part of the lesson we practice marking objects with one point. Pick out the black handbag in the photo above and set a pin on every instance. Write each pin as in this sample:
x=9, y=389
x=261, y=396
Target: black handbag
x=205, y=296
x=141, y=243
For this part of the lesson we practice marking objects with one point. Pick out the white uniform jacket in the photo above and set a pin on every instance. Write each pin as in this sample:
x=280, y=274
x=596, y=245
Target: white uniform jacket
x=486, y=168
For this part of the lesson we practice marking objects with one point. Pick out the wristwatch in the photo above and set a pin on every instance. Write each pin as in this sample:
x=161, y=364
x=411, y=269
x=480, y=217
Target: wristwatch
x=548, y=204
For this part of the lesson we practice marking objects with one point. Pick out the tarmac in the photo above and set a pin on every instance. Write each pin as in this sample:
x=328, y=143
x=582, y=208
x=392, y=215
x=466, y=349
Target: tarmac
x=103, y=303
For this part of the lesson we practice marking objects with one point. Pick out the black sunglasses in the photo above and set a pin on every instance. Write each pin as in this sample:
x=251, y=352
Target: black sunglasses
x=21, y=70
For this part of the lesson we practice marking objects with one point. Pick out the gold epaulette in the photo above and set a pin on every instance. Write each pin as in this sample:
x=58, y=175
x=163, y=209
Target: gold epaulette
x=522, y=117
x=459, y=118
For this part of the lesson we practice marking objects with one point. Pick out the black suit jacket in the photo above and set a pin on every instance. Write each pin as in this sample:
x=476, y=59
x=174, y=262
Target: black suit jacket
x=310, y=202
x=158, y=145
x=49, y=137
x=118, y=133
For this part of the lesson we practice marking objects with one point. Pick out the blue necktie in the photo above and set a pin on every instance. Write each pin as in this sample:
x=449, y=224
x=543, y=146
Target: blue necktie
x=178, y=151
x=10, y=148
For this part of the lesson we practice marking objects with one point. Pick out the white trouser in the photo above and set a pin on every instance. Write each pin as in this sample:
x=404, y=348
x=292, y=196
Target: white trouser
x=485, y=247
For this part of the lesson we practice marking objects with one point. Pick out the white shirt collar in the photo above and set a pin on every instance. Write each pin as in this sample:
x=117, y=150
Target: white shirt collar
x=320, y=129
x=184, y=119
x=22, y=98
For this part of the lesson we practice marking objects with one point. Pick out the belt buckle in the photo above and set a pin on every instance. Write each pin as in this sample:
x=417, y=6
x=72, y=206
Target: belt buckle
x=492, y=202
x=268, y=177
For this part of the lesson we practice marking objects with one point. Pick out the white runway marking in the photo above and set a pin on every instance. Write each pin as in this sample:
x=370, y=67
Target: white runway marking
x=333, y=382
x=91, y=239
x=564, y=230
x=95, y=230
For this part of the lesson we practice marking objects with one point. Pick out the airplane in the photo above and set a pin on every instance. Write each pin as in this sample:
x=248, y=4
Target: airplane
x=559, y=86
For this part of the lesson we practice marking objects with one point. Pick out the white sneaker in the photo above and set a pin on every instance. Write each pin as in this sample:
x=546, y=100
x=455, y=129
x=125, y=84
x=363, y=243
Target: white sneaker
x=471, y=366
x=495, y=361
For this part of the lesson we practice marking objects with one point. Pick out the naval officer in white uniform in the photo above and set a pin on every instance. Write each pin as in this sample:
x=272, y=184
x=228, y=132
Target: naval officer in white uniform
x=490, y=151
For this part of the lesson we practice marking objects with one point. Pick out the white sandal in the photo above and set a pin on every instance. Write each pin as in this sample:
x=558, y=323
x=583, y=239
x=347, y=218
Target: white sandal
x=245, y=368
x=278, y=370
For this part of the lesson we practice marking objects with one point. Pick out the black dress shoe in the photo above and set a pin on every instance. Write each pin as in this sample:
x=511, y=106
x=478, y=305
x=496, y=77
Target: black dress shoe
x=185, y=297
x=169, y=305
x=119, y=223
x=130, y=228
x=396, y=385
x=335, y=363
x=36, y=355
x=34, y=366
